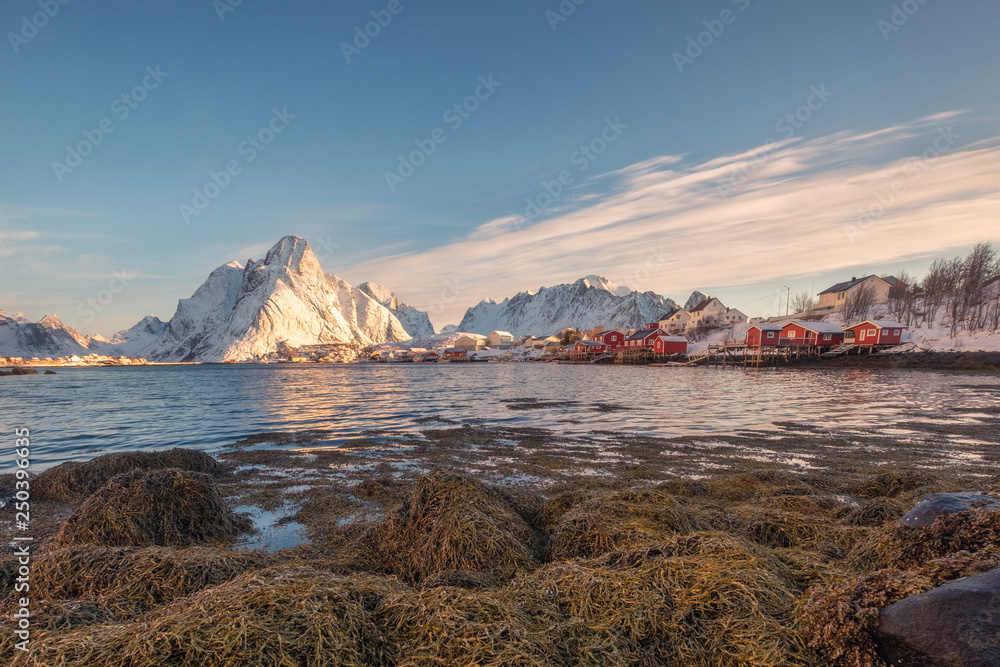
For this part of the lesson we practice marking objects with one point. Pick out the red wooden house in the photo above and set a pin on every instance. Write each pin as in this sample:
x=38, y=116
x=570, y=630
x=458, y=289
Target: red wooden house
x=670, y=345
x=613, y=338
x=763, y=335
x=875, y=332
x=811, y=334
x=643, y=339
x=590, y=347
x=456, y=353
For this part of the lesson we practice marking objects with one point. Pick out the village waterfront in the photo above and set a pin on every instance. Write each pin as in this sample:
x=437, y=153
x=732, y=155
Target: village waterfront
x=492, y=514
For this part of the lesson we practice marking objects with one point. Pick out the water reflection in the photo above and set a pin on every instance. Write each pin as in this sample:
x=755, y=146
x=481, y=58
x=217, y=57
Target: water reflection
x=81, y=412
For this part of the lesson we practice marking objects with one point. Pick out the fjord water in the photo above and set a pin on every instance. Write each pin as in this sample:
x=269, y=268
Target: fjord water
x=83, y=412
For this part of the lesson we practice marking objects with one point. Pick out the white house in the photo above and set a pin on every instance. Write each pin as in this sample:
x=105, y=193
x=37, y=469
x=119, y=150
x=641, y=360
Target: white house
x=500, y=339
x=734, y=316
x=834, y=298
x=470, y=342
x=709, y=313
x=676, y=321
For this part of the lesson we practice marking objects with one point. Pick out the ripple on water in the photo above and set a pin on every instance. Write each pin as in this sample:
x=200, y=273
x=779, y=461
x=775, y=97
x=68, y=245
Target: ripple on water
x=82, y=411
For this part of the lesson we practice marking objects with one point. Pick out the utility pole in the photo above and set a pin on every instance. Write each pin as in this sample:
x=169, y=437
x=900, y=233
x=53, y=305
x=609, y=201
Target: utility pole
x=788, y=300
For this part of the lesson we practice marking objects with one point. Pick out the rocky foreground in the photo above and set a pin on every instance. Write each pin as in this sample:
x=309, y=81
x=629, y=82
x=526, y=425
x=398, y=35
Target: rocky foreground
x=142, y=560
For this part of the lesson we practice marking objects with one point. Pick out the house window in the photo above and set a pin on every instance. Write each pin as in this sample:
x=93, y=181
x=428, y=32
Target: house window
x=770, y=334
x=827, y=336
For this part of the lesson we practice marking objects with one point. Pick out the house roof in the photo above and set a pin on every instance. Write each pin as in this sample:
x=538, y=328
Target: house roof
x=844, y=286
x=642, y=335
x=503, y=333
x=673, y=339
x=764, y=326
x=590, y=343
x=703, y=305
x=881, y=324
x=605, y=333
x=817, y=327
x=671, y=313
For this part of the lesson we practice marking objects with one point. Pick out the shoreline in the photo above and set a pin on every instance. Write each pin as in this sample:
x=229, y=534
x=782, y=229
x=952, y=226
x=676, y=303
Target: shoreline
x=956, y=361
x=471, y=543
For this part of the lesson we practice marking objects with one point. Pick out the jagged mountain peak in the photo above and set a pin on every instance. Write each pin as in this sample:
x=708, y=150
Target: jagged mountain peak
x=376, y=291
x=292, y=252
x=600, y=282
x=588, y=302
x=696, y=299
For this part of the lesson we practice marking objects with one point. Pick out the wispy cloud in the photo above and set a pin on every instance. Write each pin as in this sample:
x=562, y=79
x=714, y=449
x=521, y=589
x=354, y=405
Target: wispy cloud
x=802, y=211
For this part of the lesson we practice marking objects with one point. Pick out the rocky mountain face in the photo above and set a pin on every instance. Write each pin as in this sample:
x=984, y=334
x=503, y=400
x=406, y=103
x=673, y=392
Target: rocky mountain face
x=695, y=300
x=416, y=322
x=240, y=313
x=589, y=302
x=48, y=337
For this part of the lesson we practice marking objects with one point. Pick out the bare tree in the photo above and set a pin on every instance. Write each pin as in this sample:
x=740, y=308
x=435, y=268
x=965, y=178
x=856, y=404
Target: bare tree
x=859, y=302
x=977, y=270
x=903, y=299
x=802, y=303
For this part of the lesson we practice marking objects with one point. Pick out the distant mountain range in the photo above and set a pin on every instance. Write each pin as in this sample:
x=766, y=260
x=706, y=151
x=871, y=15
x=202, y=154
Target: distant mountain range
x=238, y=314
x=246, y=312
x=589, y=302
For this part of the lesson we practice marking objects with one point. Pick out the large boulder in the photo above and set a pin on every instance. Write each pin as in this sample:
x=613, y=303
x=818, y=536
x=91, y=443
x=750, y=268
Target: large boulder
x=931, y=507
x=954, y=625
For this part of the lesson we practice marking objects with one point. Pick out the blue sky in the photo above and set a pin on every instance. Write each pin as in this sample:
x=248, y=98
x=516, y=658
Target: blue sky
x=701, y=180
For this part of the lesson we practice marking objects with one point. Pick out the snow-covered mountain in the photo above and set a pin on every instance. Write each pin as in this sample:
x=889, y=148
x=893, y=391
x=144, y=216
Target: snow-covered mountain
x=416, y=322
x=695, y=300
x=48, y=337
x=240, y=313
x=139, y=340
x=589, y=302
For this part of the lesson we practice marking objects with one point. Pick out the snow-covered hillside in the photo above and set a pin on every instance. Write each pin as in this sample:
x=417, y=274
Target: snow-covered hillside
x=48, y=337
x=239, y=313
x=245, y=312
x=415, y=321
x=589, y=302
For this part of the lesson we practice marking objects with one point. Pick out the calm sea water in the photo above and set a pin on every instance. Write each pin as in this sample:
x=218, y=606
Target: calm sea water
x=82, y=412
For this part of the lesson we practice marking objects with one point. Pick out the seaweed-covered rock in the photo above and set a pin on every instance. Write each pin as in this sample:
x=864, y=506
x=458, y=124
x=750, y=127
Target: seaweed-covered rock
x=617, y=521
x=75, y=480
x=931, y=507
x=452, y=522
x=153, y=508
x=957, y=624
